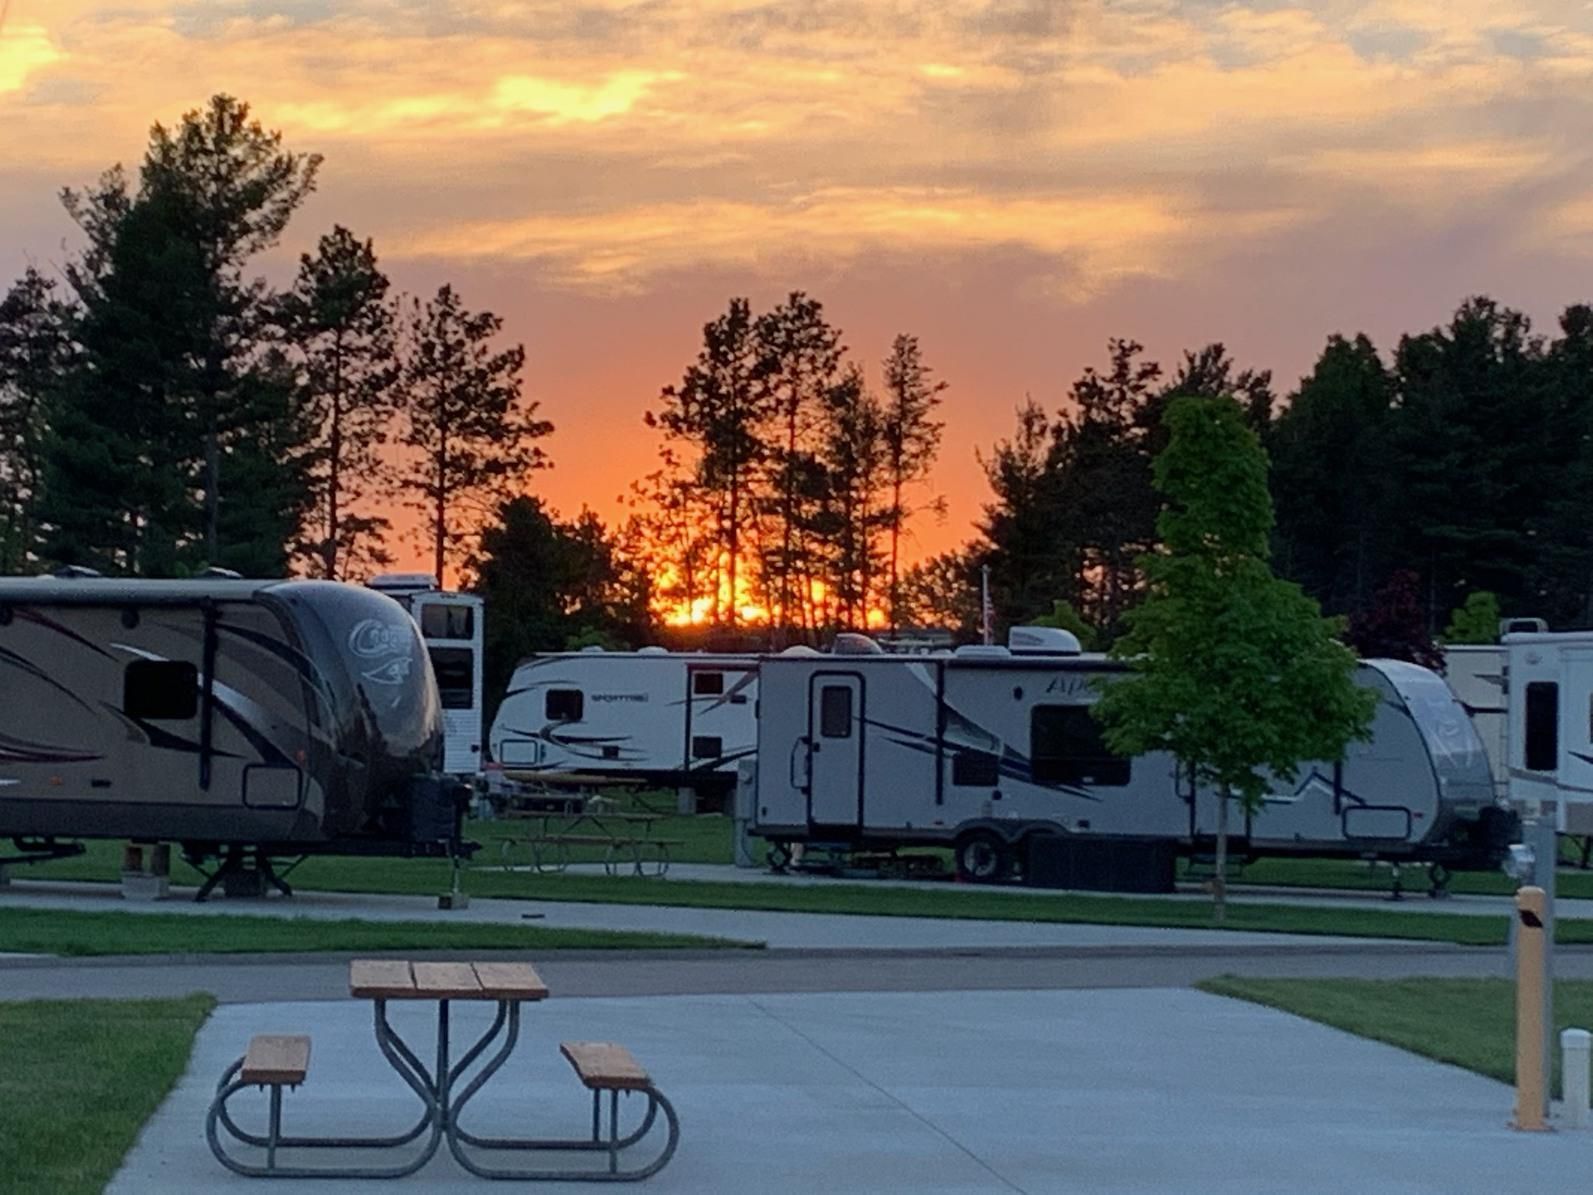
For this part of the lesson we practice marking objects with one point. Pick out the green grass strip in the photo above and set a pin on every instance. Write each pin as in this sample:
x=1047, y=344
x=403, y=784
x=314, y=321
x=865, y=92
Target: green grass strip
x=60, y=932
x=1465, y=1022
x=80, y=1079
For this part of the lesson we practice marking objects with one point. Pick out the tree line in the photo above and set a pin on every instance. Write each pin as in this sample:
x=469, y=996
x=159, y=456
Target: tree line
x=163, y=408
x=1435, y=489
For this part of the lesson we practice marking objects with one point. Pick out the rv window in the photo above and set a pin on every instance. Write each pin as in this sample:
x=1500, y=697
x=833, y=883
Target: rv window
x=162, y=689
x=1065, y=747
x=835, y=712
x=707, y=684
x=707, y=746
x=1543, y=726
x=456, y=676
x=975, y=769
x=565, y=705
x=438, y=621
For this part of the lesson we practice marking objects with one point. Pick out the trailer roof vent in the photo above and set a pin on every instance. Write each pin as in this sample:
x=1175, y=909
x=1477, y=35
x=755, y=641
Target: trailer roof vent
x=982, y=651
x=652, y=649
x=402, y=582
x=1042, y=641
x=850, y=643
x=77, y=570
x=591, y=647
x=217, y=573
x=801, y=650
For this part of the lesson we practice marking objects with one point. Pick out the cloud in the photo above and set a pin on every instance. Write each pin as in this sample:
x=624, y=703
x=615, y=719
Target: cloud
x=24, y=50
x=1090, y=238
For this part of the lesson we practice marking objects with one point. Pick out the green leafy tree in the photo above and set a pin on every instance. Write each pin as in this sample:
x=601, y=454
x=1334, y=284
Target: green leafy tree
x=1065, y=617
x=1475, y=621
x=35, y=347
x=472, y=435
x=911, y=437
x=1232, y=671
x=342, y=328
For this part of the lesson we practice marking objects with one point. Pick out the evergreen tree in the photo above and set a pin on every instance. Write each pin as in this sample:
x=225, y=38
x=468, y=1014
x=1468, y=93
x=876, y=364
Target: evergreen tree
x=800, y=357
x=1560, y=581
x=1233, y=672
x=177, y=362
x=854, y=459
x=341, y=325
x=719, y=408
x=1332, y=476
x=35, y=347
x=1472, y=436
x=1028, y=542
x=911, y=436
x=943, y=592
x=1104, y=487
x=474, y=438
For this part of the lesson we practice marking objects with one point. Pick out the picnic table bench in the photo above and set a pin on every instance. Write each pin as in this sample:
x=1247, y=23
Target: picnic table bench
x=277, y=1061
x=625, y=837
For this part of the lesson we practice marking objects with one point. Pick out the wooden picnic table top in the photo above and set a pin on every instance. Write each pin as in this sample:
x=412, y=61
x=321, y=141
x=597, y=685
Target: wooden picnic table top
x=396, y=979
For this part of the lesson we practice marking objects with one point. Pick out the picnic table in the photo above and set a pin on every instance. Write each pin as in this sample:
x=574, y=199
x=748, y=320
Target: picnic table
x=626, y=838
x=277, y=1061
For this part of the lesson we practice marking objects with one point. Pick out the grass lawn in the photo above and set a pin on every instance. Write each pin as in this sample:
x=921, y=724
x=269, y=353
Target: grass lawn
x=52, y=931
x=706, y=839
x=80, y=1079
x=1467, y=1022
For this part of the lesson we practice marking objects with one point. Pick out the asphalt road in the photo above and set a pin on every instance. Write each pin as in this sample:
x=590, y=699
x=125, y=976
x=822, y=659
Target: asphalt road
x=267, y=978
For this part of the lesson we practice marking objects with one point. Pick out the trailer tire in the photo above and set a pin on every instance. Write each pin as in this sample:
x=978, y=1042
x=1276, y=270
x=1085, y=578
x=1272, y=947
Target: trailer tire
x=983, y=857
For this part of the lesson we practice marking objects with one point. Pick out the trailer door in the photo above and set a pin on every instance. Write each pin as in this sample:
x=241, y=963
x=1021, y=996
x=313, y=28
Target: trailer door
x=835, y=750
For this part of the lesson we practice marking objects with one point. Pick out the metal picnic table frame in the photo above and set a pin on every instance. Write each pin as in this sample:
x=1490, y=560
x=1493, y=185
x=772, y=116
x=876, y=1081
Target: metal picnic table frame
x=602, y=826
x=510, y=985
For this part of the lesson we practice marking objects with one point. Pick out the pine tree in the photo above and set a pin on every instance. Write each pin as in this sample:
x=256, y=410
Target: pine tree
x=35, y=347
x=341, y=325
x=177, y=372
x=463, y=415
x=719, y=408
x=800, y=356
x=912, y=441
x=855, y=461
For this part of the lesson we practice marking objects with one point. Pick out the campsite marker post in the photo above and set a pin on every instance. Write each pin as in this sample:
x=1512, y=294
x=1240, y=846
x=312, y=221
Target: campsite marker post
x=1532, y=1077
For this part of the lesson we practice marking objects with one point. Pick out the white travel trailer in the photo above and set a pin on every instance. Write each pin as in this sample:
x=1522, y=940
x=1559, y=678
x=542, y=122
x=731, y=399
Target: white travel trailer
x=677, y=719
x=1550, y=736
x=451, y=625
x=235, y=718
x=987, y=749
x=1476, y=673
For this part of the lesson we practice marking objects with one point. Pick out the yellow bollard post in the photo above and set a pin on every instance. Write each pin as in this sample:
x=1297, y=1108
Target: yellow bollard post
x=1532, y=1078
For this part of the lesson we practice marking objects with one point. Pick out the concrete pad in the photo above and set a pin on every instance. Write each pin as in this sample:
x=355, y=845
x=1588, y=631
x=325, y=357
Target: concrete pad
x=1089, y=1091
x=803, y=931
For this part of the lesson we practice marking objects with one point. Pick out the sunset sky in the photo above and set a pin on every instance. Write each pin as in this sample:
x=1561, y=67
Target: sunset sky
x=1012, y=180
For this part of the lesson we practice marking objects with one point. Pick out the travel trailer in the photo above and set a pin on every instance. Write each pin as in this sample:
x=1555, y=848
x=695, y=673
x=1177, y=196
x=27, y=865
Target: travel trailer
x=281, y=718
x=1549, y=747
x=1476, y=674
x=987, y=749
x=451, y=625
x=678, y=719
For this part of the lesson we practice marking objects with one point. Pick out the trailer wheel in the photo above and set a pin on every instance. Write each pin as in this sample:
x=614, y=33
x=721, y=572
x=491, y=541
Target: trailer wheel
x=982, y=857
